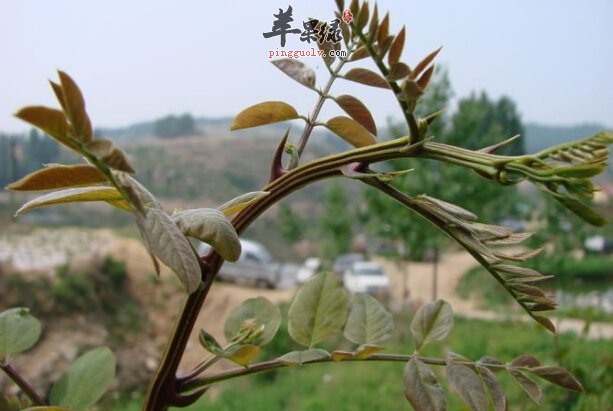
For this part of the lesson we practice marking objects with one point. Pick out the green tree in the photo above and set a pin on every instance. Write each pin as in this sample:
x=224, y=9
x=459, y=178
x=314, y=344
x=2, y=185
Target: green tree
x=290, y=225
x=174, y=126
x=335, y=224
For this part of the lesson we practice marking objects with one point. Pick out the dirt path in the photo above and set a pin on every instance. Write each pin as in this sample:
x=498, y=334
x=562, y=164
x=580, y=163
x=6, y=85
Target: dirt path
x=451, y=268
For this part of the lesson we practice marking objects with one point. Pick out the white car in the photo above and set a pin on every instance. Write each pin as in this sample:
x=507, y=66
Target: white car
x=367, y=277
x=308, y=269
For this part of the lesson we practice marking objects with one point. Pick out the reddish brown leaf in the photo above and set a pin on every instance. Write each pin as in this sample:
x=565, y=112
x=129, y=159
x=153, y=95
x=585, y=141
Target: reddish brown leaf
x=558, y=376
x=358, y=111
x=545, y=322
x=359, y=54
x=363, y=16
x=365, y=76
x=383, y=31
x=51, y=121
x=425, y=78
x=526, y=361
x=529, y=386
x=398, y=71
x=421, y=66
x=263, y=113
x=396, y=49
x=75, y=107
x=374, y=22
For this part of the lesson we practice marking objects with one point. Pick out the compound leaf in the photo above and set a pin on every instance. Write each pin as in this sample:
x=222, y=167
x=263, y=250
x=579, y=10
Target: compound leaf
x=86, y=380
x=318, y=311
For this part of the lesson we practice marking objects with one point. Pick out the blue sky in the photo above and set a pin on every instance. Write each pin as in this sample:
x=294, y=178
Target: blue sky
x=139, y=60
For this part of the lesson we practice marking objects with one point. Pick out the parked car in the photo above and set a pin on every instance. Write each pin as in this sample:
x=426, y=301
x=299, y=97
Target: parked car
x=367, y=277
x=255, y=266
x=308, y=269
x=344, y=262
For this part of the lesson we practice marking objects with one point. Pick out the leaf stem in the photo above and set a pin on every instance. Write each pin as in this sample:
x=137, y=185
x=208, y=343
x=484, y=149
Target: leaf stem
x=276, y=364
x=22, y=384
x=323, y=95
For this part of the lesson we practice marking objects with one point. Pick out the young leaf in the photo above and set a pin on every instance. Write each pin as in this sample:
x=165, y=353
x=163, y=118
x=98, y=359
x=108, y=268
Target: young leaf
x=318, y=311
x=119, y=161
x=72, y=195
x=558, y=376
x=368, y=322
x=264, y=113
x=421, y=387
x=86, y=380
x=51, y=121
x=526, y=361
x=242, y=354
x=209, y=343
x=529, y=386
x=494, y=389
x=19, y=331
x=297, y=70
x=74, y=106
x=162, y=238
x=468, y=384
x=301, y=357
x=365, y=76
x=421, y=66
x=366, y=350
x=351, y=131
x=383, y=31
x=236, y=205
x=398, y=71
x=432, y=322
x=59, y=176
x=339, y=355
x=359, y=54
x=396, y=49
x=545, y=322
x=257, y=314
x=212, y=227
x=358, y=111
x=424, y=79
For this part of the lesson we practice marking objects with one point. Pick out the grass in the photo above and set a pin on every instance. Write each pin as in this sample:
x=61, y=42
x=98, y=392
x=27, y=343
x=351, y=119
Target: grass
x=378, y=386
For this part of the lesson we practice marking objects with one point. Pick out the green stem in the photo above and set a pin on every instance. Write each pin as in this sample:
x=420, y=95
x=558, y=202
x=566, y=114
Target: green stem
x=22, y=384
x=323, y=95
x=189, y=386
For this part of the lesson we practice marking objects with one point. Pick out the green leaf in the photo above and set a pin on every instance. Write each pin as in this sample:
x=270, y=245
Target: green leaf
x=365, y=76
x=368, y=322
x=468, y=384
x=19, y=331
x=258, y=318
x=162, y=238
x=357, y=111
x=421, y=387
x=212, y=227
x=529, y=386
x=558, y=376
x=432, y=322
x=209, y=343
x=59, y=176
x=72, y=195
x=86, y=380
x=74, y=106
x=51, y=121
x=318, y=311
x=301, y=357
x=580, y=209
x=264, y=113
x=351, y=131
x=297, y=70
x=238, y=204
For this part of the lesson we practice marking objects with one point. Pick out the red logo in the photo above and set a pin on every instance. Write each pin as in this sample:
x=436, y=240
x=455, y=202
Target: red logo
x=347, y=16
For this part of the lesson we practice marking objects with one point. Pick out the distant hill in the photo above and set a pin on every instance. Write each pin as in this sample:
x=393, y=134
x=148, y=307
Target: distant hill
x=539, y=137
